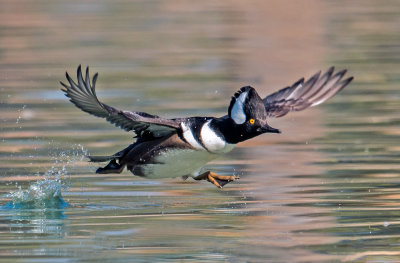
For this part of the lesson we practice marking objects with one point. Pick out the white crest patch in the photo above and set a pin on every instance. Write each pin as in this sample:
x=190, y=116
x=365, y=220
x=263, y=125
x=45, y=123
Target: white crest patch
x=189, y=137
x=212, y=141
x=237, y=112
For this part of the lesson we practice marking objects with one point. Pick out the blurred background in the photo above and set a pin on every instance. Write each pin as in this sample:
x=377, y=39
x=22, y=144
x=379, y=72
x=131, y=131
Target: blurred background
x=324, y=190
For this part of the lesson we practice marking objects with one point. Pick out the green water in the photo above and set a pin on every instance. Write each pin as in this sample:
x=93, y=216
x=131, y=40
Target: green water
x=325, y=190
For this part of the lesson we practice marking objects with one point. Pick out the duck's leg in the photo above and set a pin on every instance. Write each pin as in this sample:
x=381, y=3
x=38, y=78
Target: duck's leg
x=216, y=179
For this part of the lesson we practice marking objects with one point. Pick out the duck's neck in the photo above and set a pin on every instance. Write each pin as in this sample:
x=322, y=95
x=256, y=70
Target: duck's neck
x=229, y=130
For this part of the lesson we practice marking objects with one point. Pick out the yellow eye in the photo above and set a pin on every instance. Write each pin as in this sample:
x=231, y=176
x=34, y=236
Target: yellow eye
x=251, y=121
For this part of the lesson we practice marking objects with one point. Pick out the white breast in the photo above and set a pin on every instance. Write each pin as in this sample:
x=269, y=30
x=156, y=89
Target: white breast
x=212, y=141
x=180, y=162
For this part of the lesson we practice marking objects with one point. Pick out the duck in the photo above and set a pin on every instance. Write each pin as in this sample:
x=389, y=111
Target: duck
x=180, y=147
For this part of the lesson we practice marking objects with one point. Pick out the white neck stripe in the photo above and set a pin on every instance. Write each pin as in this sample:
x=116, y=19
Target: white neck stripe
x=189, y=137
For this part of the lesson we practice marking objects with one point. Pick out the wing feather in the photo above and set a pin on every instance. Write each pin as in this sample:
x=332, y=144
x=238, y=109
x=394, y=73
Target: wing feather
x=302, y=95
x=83, y=95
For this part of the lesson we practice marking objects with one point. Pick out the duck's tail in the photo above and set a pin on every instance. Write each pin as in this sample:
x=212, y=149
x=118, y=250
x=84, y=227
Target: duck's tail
x=106, y=158
x=112, y=167
x=97, y=159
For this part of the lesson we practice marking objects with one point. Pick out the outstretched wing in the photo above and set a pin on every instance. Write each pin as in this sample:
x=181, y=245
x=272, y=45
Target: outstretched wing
x=83, y=95
x=303, y=94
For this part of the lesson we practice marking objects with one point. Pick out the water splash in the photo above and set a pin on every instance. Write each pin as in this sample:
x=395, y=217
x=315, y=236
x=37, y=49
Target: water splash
x=20, y=111
x=39, y=195
x=47, y=193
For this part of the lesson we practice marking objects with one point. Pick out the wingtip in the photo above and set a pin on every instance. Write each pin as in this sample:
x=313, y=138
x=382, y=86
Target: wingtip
x=94, y=79
x=64, y=85
x=79, y=71
x=299, y=82
x=348, y=80
x=68, y=77
x=342, y=72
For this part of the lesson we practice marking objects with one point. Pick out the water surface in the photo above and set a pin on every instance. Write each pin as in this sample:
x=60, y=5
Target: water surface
x=325, y=190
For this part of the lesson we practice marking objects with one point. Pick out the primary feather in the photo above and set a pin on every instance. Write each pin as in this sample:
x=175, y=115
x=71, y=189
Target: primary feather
x=83, y=95
x=303, y=94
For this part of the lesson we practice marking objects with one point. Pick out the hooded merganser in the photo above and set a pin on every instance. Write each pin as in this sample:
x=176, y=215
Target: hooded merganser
x=181, y=146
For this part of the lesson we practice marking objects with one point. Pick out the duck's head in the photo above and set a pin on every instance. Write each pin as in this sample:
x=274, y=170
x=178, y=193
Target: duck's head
x=248, y=113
